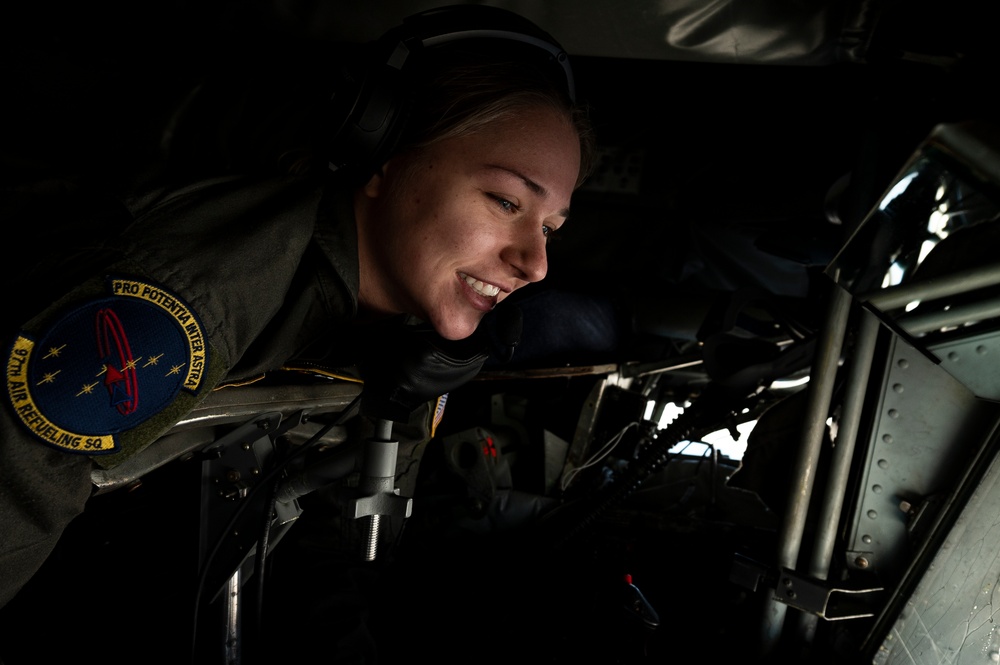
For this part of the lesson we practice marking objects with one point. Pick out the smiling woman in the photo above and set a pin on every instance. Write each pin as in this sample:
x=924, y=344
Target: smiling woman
x=448, y=231
x=456, y=220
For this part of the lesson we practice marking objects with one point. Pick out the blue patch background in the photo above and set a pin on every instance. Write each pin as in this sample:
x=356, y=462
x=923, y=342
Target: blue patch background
x=150, y=331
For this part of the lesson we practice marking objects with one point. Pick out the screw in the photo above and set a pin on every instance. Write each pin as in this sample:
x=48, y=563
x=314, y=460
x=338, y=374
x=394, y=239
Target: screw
x=861, y=562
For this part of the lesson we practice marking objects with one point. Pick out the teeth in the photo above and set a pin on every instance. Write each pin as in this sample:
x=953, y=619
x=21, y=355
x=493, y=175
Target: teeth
x=487, y=290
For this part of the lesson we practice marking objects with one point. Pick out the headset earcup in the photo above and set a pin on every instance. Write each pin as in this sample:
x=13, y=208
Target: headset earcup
x=374, y=102
x=372, y=108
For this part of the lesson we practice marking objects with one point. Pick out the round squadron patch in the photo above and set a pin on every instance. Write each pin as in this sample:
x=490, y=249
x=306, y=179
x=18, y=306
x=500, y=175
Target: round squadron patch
x=106, y=366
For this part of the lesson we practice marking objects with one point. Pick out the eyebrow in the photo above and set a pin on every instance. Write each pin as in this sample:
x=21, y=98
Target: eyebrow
x=531, y=184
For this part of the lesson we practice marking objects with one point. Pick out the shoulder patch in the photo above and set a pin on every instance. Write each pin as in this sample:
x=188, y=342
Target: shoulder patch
x=106, y=366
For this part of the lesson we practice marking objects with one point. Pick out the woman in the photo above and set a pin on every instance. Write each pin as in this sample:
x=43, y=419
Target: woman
x=121, y=331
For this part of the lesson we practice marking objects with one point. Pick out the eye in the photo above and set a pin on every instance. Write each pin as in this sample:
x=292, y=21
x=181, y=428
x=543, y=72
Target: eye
x=549, y=232
x=504, y=204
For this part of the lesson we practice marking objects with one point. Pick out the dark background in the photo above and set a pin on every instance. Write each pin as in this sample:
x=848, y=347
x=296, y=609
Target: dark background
x=719, y=173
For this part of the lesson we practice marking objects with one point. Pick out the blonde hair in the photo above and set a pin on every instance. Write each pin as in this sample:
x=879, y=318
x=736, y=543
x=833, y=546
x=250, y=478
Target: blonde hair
x=459, y=93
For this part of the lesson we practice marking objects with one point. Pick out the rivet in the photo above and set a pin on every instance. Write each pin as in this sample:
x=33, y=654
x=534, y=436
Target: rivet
x=877, y=489
x=883, y=464
x=903, y=363
x=893, y=413
x=887, y=438
x=861, y=562
x=898, y=387
x=981, y=350
x=952, y=356
x=866, y=539
x=873, y=514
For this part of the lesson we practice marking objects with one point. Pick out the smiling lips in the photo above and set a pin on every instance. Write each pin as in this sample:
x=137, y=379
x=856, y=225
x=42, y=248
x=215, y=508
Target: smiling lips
x=485, y=290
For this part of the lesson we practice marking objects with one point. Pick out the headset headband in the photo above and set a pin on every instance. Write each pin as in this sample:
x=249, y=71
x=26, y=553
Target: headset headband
x=373, y=109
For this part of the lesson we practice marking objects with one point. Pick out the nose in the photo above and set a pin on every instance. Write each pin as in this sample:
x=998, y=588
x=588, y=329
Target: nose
x=526, y=254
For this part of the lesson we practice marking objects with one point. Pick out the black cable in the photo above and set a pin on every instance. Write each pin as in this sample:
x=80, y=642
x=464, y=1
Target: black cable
x=278, y=468
x=714, y=402
x=262, y=545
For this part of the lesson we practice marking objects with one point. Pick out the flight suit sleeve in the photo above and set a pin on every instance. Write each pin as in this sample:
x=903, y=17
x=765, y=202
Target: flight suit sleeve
x=107, y=368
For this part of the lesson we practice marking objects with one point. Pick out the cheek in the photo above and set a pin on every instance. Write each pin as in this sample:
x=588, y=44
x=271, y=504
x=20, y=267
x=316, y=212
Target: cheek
x=465, y=230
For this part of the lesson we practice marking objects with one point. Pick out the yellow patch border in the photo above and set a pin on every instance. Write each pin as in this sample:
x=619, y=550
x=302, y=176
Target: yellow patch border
x=29, y=414
x=185, y=318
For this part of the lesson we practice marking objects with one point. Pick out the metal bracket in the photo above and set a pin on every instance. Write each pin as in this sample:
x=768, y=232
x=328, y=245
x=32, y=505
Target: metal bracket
x=818, y=598
x=232, y=469
x=807, y=594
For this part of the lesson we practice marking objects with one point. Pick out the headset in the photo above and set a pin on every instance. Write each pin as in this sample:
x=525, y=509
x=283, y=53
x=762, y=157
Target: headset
x=372, y=106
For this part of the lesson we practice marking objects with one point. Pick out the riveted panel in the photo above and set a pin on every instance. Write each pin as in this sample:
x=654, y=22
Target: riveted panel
x=975, y=362
x=925, y=426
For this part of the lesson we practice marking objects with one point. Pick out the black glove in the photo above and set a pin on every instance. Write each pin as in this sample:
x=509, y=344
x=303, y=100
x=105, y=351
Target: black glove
x=404, y=366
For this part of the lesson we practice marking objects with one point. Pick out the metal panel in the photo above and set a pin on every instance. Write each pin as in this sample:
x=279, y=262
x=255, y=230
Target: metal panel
x=949, y=618
x=973, y=361
x=925, y=423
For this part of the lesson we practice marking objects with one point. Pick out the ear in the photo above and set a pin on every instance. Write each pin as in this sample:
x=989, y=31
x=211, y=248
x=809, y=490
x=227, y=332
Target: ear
x=375, y=184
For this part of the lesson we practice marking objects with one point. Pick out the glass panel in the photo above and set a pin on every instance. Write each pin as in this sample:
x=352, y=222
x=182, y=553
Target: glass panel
x=931, y=242
x=927, y=256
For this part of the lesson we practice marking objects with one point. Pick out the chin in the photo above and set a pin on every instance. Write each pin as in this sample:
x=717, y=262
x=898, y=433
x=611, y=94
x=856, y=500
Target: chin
x=456, y=330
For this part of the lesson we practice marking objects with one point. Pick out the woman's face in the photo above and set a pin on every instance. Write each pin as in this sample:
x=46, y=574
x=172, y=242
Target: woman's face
x=447, y=232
